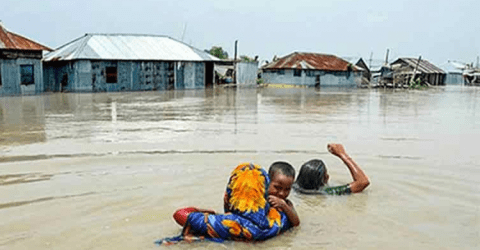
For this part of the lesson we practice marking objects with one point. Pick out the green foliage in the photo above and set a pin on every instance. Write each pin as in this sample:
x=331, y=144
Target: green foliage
x=418, y=84
x=218, y=52
x=260, y=80
x=246, y=59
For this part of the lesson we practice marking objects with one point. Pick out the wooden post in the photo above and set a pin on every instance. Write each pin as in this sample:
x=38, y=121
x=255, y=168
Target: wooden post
x=386, y=57
x=415, y=71
x=235, y=64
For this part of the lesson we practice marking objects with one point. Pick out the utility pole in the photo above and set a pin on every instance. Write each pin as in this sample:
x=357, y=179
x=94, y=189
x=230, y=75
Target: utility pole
x=386, y=57
x=370, y=62
x=235, y=64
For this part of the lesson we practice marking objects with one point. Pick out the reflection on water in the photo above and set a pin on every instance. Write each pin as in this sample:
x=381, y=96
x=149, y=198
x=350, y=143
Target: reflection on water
x=22, y=120
x=107, y=170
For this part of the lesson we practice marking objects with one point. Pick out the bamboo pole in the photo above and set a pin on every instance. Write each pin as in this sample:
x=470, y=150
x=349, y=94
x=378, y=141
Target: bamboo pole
x=412, y=81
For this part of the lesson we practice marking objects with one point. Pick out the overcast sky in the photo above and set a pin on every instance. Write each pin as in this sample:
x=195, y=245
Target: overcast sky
x=438, y=30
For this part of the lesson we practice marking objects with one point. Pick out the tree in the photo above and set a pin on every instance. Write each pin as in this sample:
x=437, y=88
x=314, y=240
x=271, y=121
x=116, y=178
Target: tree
x=218, y=52
x=245, y=58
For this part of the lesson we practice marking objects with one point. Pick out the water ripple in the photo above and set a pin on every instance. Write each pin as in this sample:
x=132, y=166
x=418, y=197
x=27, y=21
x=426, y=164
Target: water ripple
x=19, y=158
x=22, y=203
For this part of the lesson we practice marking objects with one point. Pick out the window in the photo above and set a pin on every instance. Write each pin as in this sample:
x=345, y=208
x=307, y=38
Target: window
x=310, y=73
x=281, y=72
x=111, y=74
x=297, y=72
x=26, y=74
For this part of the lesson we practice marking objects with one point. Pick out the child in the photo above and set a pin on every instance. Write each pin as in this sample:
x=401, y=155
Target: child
x=282, y=176
x=313, y=176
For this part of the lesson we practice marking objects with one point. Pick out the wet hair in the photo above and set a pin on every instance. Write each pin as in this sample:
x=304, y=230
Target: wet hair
x=311, y=174
x=281, y=167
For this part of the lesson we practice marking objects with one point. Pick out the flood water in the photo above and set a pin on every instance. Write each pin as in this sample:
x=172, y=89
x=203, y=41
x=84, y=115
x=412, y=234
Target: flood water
x=106, y=171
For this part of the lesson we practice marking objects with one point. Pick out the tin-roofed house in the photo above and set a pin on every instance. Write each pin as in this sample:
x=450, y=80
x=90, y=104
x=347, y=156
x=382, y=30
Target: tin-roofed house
x=366, y=73
x=404, y=69
x=127, y=62
x=20, y=64
x=311, y=69
x=454, y=71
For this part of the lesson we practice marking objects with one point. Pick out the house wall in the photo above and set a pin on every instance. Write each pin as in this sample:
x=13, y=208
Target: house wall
x=91, y=76
x=326, y=78
x=11, y=79
x=454, y=78
x=247, y=73
x=58, y=76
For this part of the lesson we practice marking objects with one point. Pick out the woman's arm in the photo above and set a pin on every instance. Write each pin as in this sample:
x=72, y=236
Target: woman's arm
x=360, y=179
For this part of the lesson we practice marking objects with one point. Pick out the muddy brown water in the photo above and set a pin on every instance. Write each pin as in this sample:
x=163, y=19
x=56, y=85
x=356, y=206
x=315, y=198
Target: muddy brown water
x=106, y=171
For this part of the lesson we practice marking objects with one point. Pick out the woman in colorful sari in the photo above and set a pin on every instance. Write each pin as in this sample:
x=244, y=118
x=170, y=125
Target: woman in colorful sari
x=248, y=215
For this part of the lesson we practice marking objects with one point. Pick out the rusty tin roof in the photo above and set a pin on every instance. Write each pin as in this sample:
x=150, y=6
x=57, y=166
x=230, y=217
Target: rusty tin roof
x=313, y=61
x=10, y=40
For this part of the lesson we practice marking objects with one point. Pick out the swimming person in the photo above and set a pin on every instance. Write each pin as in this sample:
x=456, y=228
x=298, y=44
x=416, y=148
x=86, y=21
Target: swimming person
x=313, y=176
x=248, y=214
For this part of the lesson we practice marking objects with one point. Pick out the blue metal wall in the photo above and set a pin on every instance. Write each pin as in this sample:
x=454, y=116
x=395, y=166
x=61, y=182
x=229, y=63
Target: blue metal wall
x=454, y=78
x=90, y=76
x=247, y=73
x=10, y=73
x=326, y=78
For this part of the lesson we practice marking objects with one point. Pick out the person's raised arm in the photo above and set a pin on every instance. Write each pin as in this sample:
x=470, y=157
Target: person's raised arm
x=360, y=179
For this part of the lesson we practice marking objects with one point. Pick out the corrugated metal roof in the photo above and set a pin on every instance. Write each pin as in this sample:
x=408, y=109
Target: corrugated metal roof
x=300, y=60
x=10, y=40
x=452, y=67
x=357, y=61
x=128, y=47
x=424, y=66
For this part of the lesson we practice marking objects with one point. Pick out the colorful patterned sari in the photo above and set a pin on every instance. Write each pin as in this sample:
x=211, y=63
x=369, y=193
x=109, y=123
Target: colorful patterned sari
x=248, y=216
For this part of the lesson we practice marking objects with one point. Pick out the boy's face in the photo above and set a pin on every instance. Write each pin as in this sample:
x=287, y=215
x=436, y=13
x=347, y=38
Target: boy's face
x=280, y=185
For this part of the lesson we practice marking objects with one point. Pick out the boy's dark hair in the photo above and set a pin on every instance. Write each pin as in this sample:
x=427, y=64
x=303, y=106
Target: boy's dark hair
x=311, y=175
x=282, y=167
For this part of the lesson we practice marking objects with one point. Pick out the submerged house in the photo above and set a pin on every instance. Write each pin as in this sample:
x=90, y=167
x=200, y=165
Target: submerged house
x=404, y=69
x=311, y=69
x=20, y=64
x=127, y=62
x=454, y=72
x=366, y=73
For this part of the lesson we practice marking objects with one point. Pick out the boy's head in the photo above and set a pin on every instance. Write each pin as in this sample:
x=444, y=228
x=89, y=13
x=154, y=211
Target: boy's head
x=313, y=175
x=282, y=176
